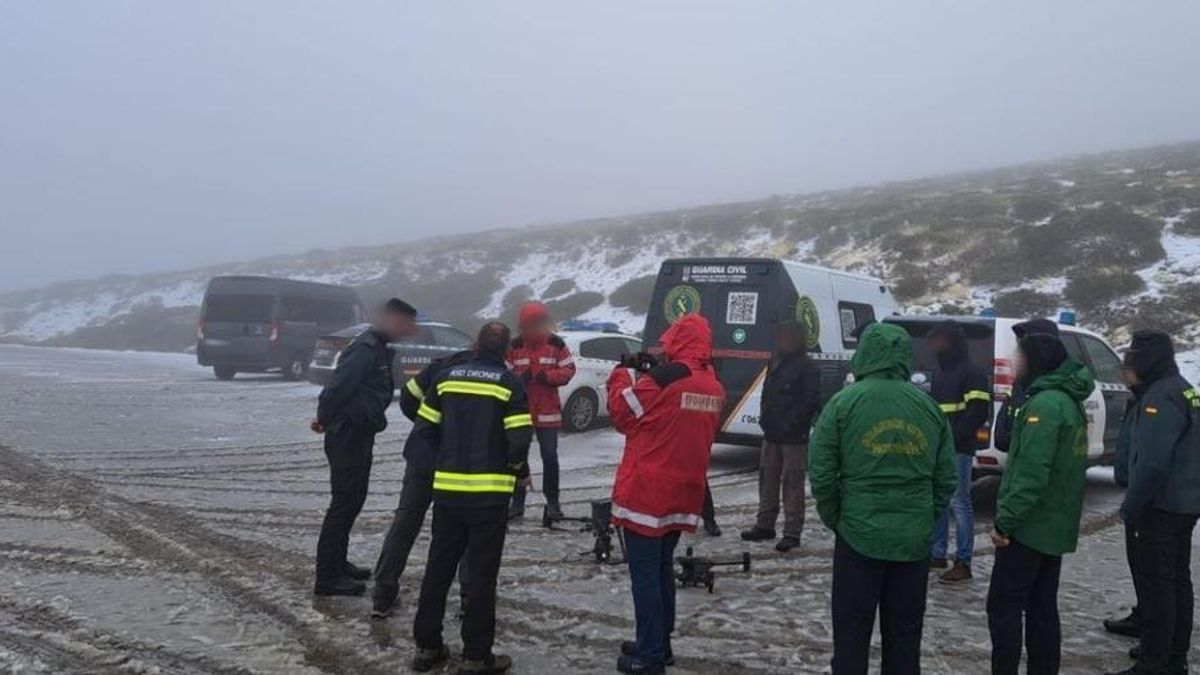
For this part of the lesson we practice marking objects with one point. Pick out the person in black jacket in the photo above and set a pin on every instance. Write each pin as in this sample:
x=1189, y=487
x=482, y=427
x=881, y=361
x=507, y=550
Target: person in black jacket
x=352, y=408
x=962, y=392
x=791, y=398
x=481, y=413
x=1159, y=463
x=416, y=492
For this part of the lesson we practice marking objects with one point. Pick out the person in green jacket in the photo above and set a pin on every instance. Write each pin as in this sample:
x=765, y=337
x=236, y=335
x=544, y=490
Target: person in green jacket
x=881, y=466
x=1039, y=503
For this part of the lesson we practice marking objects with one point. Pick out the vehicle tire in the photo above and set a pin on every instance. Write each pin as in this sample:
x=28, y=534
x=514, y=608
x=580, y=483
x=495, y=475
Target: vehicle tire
x=581, y=410
x=296, y=369
x=224, y=373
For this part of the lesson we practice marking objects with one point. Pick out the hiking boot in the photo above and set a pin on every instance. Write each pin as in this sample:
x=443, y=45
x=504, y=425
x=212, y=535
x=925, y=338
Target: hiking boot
x=554, y=512
x=757, y=534
x=632, y=664
x=516, y=512
x=492, y=665
x=958, y=574
x=938, y=563
x=383, y=602
x=787, y=543
x=629, y=648
x=342, y=586
x=428, y=659
x=1129, y=626
x=355, y=572
x=711, y=528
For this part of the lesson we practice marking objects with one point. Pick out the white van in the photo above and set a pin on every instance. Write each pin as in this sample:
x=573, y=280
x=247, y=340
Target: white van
x=743, y=299
x=993, y=346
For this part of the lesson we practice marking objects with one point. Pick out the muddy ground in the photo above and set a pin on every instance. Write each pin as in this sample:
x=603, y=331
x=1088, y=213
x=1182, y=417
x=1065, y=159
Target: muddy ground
x=155, y=520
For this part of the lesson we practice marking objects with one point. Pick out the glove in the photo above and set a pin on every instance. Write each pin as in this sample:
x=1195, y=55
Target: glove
x=527, y=377
x=541, y=378
x=642, y=362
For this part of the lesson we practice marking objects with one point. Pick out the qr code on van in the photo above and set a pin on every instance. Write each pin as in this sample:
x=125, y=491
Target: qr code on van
x=742, y=309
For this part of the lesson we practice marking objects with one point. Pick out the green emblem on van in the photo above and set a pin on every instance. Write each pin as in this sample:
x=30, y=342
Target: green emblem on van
x=806, y=314
x=739, y=336
x=681, y=300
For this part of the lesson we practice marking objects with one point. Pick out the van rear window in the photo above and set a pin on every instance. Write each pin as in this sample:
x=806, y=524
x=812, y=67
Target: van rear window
x=238, y=308
x=980, y=344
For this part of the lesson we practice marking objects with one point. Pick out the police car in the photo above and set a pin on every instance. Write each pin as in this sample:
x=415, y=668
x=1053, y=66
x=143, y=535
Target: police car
x=432, y=340
x=597, y=348
x=992, y=345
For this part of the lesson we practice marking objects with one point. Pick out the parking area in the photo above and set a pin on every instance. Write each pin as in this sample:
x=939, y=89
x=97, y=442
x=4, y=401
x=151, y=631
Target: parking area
x=153, y=517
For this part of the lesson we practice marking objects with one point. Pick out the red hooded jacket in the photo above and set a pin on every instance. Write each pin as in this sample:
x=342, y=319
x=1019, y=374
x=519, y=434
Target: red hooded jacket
x=669, y=417
x=543, y=363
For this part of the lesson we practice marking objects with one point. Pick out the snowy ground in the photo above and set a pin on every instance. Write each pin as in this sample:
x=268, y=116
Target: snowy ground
x=153, y=519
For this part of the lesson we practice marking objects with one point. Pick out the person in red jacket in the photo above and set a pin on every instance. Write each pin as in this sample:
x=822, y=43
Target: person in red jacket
x=542, y=361
x=669, y=415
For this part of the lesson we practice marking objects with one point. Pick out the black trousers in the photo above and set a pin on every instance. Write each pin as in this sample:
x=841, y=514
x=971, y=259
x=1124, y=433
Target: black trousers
x=1024, y=595
x=863, y=586
x=1163, y=556
x=479, y=533
x=709, y=512
x=349, y=451
x=548, y=447
x=409, y=517
x=1131, y=560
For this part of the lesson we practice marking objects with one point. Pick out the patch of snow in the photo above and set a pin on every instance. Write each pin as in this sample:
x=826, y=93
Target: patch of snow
x=1063, y=182
x=1181, y=264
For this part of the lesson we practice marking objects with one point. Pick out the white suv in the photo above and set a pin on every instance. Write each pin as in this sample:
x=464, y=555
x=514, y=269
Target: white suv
x=585, y=398
x=992, y=345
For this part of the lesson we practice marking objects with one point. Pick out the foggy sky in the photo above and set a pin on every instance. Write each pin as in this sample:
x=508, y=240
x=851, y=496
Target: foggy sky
x=143, y=136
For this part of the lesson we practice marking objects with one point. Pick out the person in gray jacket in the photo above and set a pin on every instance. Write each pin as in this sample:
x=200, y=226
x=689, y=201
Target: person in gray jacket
x=1162, y=501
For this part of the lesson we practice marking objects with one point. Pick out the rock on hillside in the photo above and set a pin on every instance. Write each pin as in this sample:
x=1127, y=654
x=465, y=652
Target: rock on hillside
x=1114, y=236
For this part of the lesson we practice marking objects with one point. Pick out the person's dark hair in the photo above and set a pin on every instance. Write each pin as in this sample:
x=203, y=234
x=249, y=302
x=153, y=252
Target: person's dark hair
x=398, y=306
x=494, y=338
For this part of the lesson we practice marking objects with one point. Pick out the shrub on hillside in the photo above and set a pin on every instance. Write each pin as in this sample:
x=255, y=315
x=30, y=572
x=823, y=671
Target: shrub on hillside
x=634, y=294
x=908, y=282
x=1189, y=225
x=1026, y=303
x=574, y=305
x=559, y=288
x=1093, y=289
x=1035, y=207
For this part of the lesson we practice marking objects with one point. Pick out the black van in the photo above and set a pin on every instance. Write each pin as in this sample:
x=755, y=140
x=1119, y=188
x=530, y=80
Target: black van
x=255, y=324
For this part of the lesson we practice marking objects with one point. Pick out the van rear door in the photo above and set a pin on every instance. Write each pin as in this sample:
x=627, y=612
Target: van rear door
x=741, y=300
x=236, y=325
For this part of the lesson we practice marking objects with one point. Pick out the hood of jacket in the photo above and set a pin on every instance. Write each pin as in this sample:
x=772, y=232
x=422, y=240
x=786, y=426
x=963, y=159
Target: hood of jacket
x=689, y=339
x=884, y=351
x=1071, y=377
x=1151, y=355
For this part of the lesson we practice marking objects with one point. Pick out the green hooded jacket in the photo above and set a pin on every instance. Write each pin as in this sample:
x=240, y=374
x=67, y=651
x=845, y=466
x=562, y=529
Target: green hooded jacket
x=881, y=459
x=1041, y=493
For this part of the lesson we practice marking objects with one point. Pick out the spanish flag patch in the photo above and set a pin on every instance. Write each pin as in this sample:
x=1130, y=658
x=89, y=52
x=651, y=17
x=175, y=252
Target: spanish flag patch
x=1151, y=410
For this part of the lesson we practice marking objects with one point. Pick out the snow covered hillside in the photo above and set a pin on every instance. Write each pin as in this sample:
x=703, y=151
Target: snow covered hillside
x=1114, y=236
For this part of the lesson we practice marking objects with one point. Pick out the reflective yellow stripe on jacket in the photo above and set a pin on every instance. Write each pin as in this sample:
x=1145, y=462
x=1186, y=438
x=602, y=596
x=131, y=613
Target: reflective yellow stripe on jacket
x=448, y=481
x=517, y=421
x=427, y=412
x=414, y=388
x=973, y=395
x=474, y=389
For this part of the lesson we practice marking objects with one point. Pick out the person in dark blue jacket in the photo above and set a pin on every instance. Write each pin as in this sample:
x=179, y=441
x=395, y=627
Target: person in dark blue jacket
x=961, y=390
x=1162, y=500
x=416, y=494
x=351, y=409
